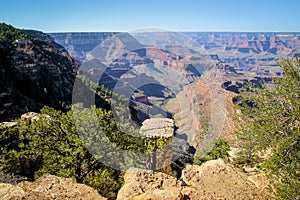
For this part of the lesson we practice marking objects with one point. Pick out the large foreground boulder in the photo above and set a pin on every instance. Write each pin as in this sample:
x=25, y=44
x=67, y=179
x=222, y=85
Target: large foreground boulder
x=217, y=179
x=48, y=187
x=146, y=184
x=11, y=192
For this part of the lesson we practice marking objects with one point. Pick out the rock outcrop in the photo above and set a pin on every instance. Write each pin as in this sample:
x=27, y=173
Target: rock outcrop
x=215, y=179
x=8, y=124
x=146, y=184
x=11, y=192
x=32, y=116
x=154, y=129
x=158, y=128
x=48, y=187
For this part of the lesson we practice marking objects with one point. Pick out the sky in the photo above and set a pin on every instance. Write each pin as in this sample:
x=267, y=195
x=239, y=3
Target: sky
x=174, y=15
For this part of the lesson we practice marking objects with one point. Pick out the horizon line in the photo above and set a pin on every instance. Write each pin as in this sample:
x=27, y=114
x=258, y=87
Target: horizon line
x=192, y=31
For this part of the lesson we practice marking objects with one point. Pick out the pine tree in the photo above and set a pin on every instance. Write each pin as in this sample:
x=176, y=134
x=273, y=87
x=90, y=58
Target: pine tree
x=272, y=121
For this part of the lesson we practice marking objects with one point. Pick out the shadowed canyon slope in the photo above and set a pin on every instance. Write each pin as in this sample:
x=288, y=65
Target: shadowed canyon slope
x=35, y=71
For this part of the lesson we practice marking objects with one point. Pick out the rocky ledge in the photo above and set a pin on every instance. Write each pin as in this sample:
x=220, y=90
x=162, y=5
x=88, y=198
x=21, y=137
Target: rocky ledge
x=215, y=179
x=48, y=187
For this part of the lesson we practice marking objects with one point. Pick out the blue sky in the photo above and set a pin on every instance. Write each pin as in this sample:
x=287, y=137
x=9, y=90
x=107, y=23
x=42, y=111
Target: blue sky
x=175, y=15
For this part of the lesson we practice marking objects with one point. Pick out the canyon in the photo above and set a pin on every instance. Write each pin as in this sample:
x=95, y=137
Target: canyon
x=192, y=78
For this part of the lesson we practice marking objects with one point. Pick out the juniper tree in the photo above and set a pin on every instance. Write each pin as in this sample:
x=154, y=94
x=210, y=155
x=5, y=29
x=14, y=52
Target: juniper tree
x=273, y=122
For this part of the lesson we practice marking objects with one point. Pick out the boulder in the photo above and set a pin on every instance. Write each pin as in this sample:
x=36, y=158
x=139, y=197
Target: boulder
x=52, y=187
x=146, y=184
x=8, y=124
x=32, y=116
x=216, y=179
x=11, y=192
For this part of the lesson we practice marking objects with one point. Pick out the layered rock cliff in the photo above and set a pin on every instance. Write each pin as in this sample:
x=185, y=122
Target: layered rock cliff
x=34, y=71
x=248, y=42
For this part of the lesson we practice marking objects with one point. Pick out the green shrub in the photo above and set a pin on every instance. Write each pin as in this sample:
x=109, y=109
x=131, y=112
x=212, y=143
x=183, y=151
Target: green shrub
x=219, y=149
x=52, y=145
